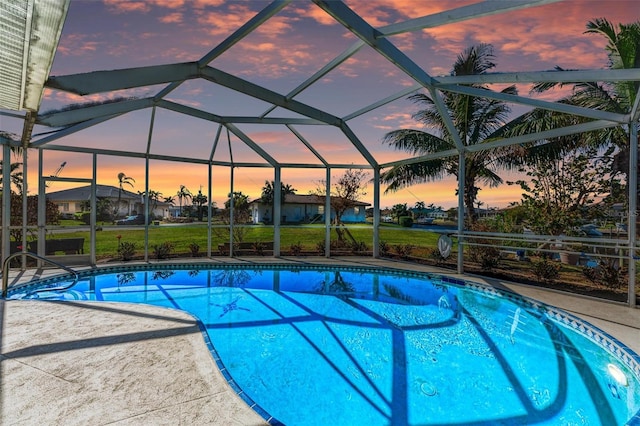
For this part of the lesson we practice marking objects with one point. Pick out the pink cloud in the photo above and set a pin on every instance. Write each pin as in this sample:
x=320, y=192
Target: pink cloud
x=217, y=23
x=274, y=27
x=169, y=4
x=313, y=12
x=127, y=6
x=78, y=45
x=172, y=18
x=201, y=4
x=261, y=47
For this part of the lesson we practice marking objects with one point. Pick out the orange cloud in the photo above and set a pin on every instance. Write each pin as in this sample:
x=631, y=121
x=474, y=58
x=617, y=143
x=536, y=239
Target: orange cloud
x=314, y=12
x=274, y=27
x=172, y=18
x=169, y=4
x=201, y=4
x=217, y=23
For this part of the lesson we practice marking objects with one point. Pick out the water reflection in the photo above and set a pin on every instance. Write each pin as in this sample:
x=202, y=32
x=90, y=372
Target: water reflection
x=336, y=285
x=125, y=278
x=162, y=275
x=232, y=278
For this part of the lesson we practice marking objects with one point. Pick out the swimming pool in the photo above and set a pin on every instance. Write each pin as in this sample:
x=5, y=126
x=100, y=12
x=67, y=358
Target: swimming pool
x=315, y=345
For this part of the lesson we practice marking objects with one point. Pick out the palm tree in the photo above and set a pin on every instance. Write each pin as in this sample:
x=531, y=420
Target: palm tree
x=123, y=179
x=199, y=200
x=623, y=49
x=477, y=120
x=15, y=169
x=16, y=175
x=154, y=198
x=183, y=192
x=268, y=192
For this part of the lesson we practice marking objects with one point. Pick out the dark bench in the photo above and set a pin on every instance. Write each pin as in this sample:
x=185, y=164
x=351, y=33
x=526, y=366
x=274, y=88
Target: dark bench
x=245, y=247
x=66, y=245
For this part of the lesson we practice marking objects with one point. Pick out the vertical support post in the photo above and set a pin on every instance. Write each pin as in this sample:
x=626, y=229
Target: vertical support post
x=376, y=212
x=209, y=209
x=461, y=212
x=231, y=208
x=633, y=210
x=213, y=151
x=25, y=206
x=94, y=206
x=6, y=200
x=147, y=217
x=231, y=197
x=327, y=215
x=147, y=213
x=277, y=209
x=42, y=209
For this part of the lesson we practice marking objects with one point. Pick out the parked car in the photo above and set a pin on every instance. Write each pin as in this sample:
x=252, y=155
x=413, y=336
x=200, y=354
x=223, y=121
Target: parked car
x=132, y=220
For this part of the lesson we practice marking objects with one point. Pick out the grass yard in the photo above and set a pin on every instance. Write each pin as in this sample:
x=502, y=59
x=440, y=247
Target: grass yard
x=182, y=236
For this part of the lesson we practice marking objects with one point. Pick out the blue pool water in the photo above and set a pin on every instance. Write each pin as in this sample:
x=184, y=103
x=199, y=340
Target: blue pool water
x=318, y=346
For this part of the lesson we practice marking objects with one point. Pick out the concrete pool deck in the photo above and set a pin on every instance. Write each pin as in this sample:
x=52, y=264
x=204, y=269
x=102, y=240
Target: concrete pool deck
x=112, y=363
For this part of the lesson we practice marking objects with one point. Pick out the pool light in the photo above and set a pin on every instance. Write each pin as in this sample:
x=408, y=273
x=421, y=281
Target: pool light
x=617, y=375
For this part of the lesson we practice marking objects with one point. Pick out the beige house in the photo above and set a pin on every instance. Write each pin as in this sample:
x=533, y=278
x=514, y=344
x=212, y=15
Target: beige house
x=74, y=200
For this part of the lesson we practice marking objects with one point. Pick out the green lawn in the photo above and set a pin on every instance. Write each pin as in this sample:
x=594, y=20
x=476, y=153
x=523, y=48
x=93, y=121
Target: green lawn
x=183, y=236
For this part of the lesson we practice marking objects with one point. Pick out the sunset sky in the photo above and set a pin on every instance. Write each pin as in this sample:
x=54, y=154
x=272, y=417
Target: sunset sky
x=282, y=53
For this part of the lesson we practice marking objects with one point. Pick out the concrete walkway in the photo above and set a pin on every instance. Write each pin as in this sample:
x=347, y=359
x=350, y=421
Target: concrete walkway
x=79, y=363
x=107, y=363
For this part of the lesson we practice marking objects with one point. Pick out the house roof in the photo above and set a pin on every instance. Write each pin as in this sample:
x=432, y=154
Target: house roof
x=307, y=199
x=84, y=193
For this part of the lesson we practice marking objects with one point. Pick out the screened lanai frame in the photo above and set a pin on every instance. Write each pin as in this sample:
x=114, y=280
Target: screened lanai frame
x=172, y=76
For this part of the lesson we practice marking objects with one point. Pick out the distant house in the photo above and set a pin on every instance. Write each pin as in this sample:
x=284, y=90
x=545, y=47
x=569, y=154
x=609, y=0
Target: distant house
x=74, y=200
x=304, y=209
x=428, y=213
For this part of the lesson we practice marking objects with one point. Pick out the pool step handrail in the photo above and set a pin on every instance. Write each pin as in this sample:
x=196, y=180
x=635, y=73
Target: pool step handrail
x=5, y=271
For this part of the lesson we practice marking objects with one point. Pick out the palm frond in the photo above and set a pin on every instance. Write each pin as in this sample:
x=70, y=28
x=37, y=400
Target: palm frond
x=405, y=175
x=415, y=141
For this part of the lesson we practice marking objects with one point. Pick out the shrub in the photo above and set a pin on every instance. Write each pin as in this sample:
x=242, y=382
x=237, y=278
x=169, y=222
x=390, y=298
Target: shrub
x=194, y=248
x=126, y=250
x=403, y=250
x=321, y=246
x=607, y=273
x=384, y=248
x=435, y=255
x=339, y=245
x=482, y=250
x=490, y=258
x=85, y=217
x=545, y=270
x=406, y=221
x=359, y=246
x=487, y=256
x=163, y=250
x=296, y=249
x=258, y=247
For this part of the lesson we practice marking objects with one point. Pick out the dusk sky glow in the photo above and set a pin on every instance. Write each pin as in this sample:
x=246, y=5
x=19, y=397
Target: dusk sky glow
x=279, y=55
